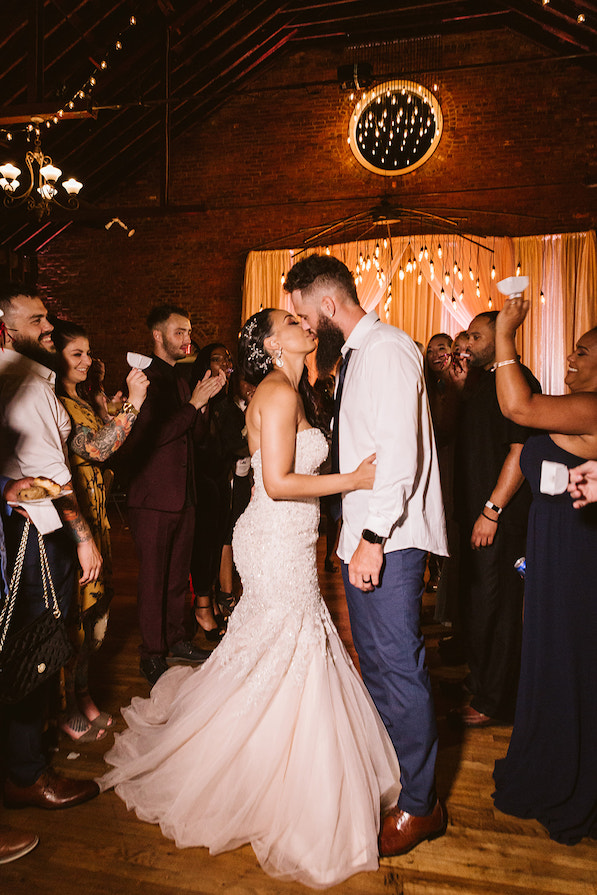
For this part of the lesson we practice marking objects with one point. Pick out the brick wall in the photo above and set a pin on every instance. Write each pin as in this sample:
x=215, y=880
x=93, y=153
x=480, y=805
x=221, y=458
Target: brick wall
x=273, y=163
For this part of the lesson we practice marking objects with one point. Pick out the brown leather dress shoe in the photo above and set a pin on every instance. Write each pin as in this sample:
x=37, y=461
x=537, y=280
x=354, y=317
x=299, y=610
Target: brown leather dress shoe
x=14, y=844
x=401, y=832
x=50, y=790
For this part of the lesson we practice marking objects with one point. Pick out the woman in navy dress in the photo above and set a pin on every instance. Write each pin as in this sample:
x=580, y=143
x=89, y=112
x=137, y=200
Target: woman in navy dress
x=550, y=771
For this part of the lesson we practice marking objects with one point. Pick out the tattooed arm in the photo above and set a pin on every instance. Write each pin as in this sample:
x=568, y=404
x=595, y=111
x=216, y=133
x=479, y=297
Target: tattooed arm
x=100, y=445
x=89, y=556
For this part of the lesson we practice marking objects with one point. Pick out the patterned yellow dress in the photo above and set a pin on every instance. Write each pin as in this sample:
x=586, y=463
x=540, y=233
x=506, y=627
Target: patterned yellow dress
x=91, y=442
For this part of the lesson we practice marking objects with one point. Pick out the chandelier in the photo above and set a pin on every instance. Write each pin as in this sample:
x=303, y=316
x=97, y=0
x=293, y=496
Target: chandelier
x=41, y=193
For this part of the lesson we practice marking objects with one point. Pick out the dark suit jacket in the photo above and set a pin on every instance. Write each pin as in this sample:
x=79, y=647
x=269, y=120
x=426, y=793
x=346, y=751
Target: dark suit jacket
x=158, y=454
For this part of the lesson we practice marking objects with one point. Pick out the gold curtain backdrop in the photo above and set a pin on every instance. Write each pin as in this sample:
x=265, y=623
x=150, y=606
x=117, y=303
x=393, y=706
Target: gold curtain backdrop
x=562, y=269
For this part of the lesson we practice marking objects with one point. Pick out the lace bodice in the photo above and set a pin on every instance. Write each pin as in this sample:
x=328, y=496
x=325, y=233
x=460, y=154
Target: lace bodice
x=274, y=551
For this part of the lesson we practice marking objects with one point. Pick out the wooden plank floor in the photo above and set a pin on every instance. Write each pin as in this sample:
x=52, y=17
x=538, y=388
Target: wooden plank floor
x=101, y=848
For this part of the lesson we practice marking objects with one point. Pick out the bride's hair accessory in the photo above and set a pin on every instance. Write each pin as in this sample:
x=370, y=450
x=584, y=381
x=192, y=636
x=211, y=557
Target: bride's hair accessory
x=255, y=361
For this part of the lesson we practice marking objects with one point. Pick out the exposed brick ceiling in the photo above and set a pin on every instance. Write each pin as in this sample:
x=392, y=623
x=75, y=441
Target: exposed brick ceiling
x=185, y=58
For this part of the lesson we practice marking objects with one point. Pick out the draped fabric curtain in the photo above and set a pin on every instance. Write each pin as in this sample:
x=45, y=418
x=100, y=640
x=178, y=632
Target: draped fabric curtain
x=562, y=269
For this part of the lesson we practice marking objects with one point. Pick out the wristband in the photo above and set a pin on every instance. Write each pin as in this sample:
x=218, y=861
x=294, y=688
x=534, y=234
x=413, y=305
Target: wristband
x=504, y=363
x=371, y=537
x=127, y=407
x=483, y=513
x=492, y=506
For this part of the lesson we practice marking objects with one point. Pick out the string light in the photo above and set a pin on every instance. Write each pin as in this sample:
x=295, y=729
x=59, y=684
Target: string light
x=493, y=272
x=442, y=295
x=580, y=18
x=518, y=269
x=82, y=92
x=471, y=274
x=542, y=297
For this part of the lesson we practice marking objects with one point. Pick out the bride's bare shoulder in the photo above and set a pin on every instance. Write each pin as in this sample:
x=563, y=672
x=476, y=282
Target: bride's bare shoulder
x=275, y=390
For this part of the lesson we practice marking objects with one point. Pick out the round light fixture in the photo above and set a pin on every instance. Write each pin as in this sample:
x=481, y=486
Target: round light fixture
x=395, y=127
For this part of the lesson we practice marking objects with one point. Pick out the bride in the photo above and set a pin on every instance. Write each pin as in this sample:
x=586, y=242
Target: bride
x=274, y=741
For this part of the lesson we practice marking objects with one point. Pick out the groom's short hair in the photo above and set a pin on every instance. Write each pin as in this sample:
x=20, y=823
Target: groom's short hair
x=321, y=270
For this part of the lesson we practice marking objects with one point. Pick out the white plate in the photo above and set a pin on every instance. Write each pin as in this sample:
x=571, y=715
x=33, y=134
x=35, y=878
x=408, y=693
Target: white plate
x=40, y=501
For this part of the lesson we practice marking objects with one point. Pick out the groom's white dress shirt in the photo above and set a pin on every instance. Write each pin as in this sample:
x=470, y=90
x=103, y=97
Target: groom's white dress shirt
x=385, y=411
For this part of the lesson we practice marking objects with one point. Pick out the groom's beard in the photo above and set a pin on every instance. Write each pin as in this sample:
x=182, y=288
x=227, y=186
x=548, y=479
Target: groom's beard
x=329, y=345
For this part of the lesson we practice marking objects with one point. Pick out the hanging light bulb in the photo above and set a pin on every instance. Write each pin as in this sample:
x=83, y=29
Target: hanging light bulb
x=419, y=279
x=518, y=269
x=446, y=278
x=431, y=271
x=409, y=266
x=368, y=264
x=385, y=243
x=460, y=277
x=455, y=268
x=493, y=272
x=442, y=295
x=490, y=304
x=439, y=250
x=401, y=274
x=377, y=250
x=478, y=292
x=426, y=253
x=283, y=279
x=421, y=253
x=470, y=273
x=542, y=297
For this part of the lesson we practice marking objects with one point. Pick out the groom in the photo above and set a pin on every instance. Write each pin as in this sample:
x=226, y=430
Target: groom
x=386, y=532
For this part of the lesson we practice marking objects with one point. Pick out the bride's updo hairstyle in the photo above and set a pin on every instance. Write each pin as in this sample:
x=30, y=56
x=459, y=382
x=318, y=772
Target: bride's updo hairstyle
x=255, y=362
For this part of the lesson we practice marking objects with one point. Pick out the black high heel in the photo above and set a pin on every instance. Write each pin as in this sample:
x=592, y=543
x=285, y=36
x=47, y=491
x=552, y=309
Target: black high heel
x=214, y=635
x=226, y=603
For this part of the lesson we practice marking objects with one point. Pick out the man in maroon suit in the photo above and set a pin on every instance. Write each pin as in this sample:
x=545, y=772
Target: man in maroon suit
x=161, y=492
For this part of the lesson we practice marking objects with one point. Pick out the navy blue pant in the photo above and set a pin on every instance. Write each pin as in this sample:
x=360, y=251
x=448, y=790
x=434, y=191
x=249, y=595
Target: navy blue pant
x=25, y=758
x=387, y=636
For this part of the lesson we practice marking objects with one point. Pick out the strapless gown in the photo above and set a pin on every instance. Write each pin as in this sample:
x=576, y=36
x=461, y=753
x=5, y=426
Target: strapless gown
x=550, y=771
x=274, y=741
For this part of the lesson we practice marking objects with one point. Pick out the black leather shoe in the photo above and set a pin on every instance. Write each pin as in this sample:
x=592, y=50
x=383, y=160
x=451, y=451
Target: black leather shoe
x=184, y=653
x=50, y=790
x=153, y=668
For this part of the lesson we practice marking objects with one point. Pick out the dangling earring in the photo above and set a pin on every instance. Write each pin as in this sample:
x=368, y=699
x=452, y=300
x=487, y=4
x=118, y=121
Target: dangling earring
x=278, y=359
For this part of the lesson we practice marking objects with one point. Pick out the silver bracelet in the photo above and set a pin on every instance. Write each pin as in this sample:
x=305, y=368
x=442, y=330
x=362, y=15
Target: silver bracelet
x=504, y=363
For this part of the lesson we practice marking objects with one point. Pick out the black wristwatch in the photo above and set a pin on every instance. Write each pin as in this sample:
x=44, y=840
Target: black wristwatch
x=370, y=536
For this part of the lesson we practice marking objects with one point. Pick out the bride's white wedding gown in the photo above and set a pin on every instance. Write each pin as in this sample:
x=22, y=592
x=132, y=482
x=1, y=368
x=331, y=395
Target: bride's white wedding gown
x=274, y=740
